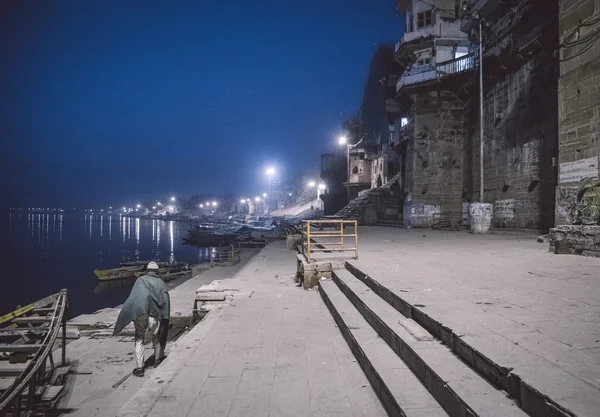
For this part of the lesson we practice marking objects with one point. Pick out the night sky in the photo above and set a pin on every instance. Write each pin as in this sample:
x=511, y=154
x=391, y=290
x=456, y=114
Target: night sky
x=110, y=102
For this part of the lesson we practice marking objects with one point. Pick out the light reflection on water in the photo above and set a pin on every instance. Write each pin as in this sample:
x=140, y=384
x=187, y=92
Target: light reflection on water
x=61, y=251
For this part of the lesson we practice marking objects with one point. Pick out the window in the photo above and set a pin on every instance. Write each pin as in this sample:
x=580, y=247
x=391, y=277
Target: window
x=424, y=61
x=403, y=122
x=355, y=170
x=424, y=19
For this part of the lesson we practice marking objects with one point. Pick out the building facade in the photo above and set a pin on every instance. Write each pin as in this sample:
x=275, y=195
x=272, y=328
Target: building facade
x=438, y=137
x=578, y=102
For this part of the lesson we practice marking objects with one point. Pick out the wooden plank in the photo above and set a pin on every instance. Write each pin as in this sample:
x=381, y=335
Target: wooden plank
x=12, y=369
x=44, y=310
x=6, y=383
x=58, y=372
x=23, y=332
x=51, y=392
x=20, y=348
x=32, y=320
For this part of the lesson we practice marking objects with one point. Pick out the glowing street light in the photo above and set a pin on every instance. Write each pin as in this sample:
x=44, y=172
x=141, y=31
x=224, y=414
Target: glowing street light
x=257, y=199
x=153, y=207
x=270, y=171
x=138, y=206
x=342, y=140
x=243, y=201
x=311, y=184
x=159, y=204
x=264, y=195
x=201, y=205
x=322, y=187
x=290, y=194
x=214, y=203
x=172, y=198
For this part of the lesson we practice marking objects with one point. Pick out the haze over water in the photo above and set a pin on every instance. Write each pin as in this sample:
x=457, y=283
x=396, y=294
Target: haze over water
x=43, y=253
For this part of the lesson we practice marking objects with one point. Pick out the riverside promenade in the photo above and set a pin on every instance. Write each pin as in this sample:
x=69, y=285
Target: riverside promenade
x=273, y=350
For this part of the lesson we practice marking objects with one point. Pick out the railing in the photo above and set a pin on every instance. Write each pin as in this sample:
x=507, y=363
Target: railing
x=325, y=230
x=437, y=71
x=456, y=65
x=225, y=255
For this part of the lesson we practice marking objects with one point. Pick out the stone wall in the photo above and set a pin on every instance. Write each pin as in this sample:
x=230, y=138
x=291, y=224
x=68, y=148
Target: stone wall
x=434, y=161
x=579, y=101
x=520, y=128
x=575, y=240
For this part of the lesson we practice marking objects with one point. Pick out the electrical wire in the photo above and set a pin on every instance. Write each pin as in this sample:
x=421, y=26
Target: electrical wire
x=583, y=51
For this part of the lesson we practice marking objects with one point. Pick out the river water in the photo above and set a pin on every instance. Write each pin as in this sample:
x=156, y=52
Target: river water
x=43, y=253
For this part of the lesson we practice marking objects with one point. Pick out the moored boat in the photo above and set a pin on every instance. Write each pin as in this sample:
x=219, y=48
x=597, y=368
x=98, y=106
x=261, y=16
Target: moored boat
x=171, y=268
x=118, y=273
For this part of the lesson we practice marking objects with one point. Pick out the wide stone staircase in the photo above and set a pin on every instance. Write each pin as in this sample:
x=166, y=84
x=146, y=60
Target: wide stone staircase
x=381, y=206
x=417, y=366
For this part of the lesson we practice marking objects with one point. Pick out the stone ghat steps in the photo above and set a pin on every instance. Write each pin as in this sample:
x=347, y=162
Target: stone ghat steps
x=471, y=364
x=406, y=365
x=397, y=387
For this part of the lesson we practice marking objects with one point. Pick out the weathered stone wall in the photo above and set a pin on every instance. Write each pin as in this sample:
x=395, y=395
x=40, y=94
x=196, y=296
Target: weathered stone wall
x=434, y=161
x=579, y=101
x=575, y=240
x=520, y=129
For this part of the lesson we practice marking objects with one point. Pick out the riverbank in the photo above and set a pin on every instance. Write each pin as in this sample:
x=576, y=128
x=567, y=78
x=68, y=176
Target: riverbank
x=102, y=364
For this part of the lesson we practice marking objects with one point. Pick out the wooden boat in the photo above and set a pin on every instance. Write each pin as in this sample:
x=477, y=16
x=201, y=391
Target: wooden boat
x=169, y=269
x=27, y=336
x=118, y=273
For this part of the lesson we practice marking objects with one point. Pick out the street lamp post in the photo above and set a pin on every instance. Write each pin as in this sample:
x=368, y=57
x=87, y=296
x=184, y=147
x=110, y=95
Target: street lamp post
x=344, y=141
x=480, y=113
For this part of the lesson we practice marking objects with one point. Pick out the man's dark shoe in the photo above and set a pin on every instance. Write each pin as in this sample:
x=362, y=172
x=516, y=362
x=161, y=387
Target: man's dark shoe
x=138, y=372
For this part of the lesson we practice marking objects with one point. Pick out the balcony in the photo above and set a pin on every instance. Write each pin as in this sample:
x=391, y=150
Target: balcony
x=424, y=73
x=417, y=75
x=456, y=65
x=440, y=29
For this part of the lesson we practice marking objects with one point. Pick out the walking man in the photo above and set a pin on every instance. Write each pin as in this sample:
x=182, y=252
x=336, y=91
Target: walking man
x=148, y=306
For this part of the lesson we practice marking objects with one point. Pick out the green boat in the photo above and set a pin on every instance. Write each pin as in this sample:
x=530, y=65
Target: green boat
x=118, y=273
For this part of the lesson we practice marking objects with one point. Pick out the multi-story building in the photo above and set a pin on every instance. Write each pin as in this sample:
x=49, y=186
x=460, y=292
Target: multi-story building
x=438, y=137
x=438, y=62
x=578, y=102
x=371, y=161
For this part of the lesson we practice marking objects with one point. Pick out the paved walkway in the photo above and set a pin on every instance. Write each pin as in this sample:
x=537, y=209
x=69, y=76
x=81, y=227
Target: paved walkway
x=519, y=304
x=274, y=351
x=104, y=382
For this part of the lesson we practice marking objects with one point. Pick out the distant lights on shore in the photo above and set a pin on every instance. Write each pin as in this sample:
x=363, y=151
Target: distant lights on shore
x=243, y=201
x=172, y=198
x=214, y=203
x=257, y=199
x=264, y=195
x=311, y=184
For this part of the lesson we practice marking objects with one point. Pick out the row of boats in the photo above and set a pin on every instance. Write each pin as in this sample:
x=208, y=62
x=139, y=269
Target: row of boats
x=261, y=229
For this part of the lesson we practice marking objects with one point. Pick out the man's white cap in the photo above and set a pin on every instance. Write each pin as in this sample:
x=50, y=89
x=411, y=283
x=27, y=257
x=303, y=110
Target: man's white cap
x=152, y=265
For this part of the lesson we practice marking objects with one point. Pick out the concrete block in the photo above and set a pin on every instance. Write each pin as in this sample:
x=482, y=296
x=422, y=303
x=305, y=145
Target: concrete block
x=210, y=296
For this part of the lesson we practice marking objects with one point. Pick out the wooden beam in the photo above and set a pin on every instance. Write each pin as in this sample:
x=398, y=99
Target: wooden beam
x=12, y=369
x=32, y=320
x=20, y=348
x=23, y=332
